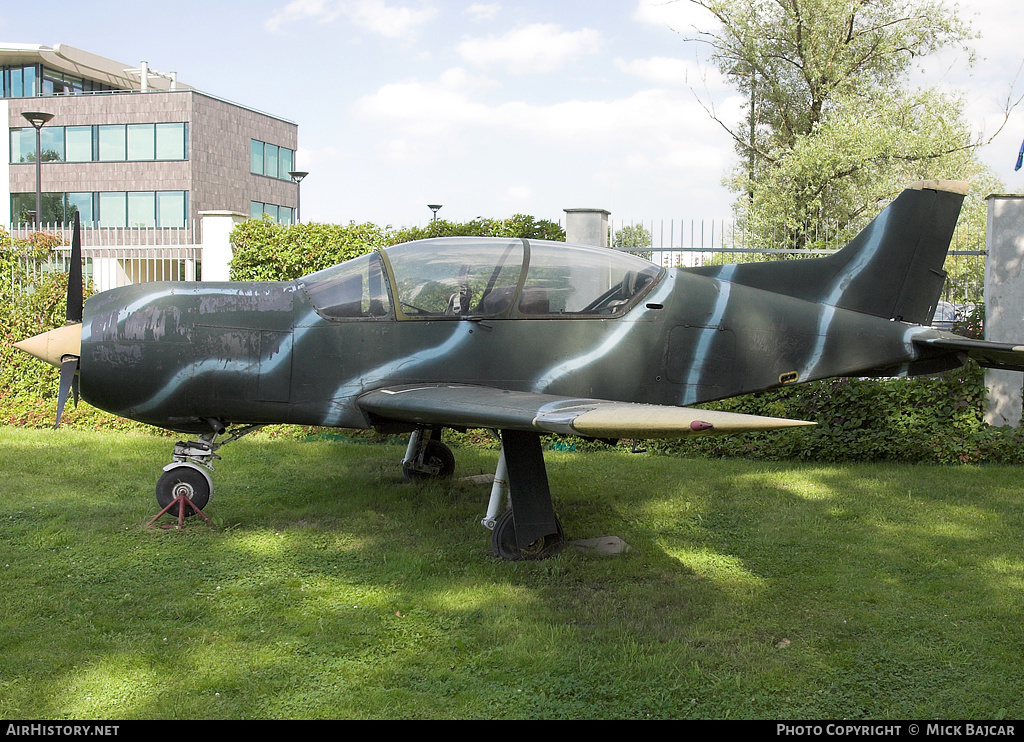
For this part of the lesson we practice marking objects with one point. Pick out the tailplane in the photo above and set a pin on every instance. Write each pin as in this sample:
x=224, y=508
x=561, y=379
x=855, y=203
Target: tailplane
x=892, y=269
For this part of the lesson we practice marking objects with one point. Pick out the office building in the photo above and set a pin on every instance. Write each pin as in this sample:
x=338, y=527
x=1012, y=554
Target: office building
x=128, y=147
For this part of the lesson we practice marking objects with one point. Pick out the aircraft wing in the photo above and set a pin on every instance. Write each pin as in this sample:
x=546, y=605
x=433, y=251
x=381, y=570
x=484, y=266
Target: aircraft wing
x=1005, y=356
x=470, y=406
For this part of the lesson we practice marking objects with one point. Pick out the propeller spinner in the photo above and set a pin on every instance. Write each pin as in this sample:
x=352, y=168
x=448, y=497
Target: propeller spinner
x=62, y=347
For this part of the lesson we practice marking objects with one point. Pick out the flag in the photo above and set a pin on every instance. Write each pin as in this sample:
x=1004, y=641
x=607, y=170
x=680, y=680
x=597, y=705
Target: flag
x=1020, y=157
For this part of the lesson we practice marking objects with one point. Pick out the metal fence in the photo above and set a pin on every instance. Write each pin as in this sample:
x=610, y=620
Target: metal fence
x=698, y=242
x=118, y=256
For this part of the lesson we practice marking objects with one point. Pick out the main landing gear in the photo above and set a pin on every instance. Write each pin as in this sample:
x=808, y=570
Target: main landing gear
x=186, y=486
x=528, y=528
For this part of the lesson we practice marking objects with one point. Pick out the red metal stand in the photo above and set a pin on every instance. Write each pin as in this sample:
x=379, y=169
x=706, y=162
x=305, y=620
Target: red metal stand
x=181, y=501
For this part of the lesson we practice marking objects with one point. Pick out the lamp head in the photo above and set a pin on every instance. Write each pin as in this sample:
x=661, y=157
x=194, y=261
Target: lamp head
x=37, y=118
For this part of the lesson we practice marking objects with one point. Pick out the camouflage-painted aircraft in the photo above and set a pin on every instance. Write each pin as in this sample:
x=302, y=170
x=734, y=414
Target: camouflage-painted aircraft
x=519, y=336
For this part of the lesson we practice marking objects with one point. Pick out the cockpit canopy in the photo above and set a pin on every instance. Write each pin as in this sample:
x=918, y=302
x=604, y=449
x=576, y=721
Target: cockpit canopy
x=459, y=277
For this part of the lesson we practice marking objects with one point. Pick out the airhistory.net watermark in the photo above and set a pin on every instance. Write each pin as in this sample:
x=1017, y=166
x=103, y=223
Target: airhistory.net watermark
x=61, y=730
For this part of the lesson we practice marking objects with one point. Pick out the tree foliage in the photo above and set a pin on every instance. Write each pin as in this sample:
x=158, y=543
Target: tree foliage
x=832, y=129
x=631, y=236
x=519, y=225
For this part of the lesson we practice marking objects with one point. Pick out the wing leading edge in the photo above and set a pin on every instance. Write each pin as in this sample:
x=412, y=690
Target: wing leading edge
x=468, y=406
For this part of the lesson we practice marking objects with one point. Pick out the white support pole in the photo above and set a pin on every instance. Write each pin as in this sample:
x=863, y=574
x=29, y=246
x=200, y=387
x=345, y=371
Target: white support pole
x=217, y=253
x=497, y=492
x=1004, y=303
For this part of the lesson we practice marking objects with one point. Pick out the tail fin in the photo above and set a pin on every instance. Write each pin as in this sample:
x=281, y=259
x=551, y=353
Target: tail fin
x=892, y=269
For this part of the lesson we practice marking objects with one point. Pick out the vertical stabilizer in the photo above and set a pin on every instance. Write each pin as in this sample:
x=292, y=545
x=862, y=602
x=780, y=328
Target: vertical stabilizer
x=892, y=269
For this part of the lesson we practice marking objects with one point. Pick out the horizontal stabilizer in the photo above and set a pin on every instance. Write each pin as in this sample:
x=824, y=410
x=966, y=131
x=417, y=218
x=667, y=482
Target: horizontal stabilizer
x=468, y=406
x=987, y=354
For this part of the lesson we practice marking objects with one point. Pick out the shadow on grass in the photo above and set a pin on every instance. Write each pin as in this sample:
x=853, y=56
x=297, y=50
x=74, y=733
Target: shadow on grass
x=328, y=587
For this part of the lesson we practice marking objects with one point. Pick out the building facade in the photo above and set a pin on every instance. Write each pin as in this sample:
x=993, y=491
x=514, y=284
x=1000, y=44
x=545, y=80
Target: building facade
x=131, y=148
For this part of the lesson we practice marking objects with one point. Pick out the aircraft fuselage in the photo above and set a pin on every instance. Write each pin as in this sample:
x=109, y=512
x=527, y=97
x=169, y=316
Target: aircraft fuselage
x=177, y=354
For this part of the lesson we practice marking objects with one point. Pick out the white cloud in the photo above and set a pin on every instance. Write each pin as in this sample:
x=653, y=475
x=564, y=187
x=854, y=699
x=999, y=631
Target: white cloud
x=661, y=70
x=537, y=48
x=663, y=128
x=679, y=15
x=299, y=10
x=391, y=21
x=483, y=11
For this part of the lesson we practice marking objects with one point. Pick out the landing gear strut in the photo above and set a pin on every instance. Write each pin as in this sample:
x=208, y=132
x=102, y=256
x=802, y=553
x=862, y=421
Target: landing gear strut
x=427, y=458
x=528, y=528
x=186, y=486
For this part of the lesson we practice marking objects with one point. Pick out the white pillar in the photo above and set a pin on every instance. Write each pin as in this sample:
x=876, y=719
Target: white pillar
x=587, y=226
x=5, y=158
x=1004, y=303
x=217, y=254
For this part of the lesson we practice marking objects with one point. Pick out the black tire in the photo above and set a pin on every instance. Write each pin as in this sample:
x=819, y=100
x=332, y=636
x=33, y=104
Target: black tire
x=503, y=541
x=183, y=480
x=437, y=455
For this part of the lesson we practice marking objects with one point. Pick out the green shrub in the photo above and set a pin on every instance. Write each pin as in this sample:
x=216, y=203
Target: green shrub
x=921, y=419
x=265, y=251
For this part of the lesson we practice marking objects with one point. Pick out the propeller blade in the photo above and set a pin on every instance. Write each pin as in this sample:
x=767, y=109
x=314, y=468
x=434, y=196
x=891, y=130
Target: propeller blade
x=68, y=368
x=75, y=290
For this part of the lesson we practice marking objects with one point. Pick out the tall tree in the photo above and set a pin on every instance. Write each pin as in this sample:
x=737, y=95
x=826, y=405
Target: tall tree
x=832, y=128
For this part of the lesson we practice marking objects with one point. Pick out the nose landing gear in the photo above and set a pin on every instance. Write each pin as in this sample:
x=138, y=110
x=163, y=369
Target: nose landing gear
x=186, y=486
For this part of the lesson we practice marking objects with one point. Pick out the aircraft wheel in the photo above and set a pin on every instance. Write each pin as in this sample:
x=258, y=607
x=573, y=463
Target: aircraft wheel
x=183, y=480
x=436, y=456
x=503, y=541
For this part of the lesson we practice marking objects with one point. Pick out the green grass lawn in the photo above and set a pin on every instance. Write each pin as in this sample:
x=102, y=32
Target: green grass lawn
x=327, y=587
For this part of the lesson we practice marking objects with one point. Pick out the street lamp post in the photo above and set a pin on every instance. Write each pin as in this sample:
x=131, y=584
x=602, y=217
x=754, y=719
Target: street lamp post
x=435, y=208
x=297, y=176
x=38, y=119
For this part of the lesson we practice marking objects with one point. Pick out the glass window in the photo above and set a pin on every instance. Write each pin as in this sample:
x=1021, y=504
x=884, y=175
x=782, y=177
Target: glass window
x=112, y=143
x=170, y=141
x=73, y=85
x=270, y=160
x=171, y=208
x=582, y=280
x=142, y=209
x=456, y=277
x=53, y=82
x=17, y=85
x=113, y=209
x=23, y=208
x=78, y=144
x=23, y=145
x=287, y=163
x=256, y=157
x=141, y=142
x=29, y=90
x=82, y=203
x=356, y=288
x=52, y=143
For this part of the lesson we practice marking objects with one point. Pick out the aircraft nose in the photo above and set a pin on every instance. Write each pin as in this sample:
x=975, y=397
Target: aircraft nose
x=54, y=345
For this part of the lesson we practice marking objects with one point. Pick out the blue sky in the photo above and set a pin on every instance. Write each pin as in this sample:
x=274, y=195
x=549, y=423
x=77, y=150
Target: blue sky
x=491, y=107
